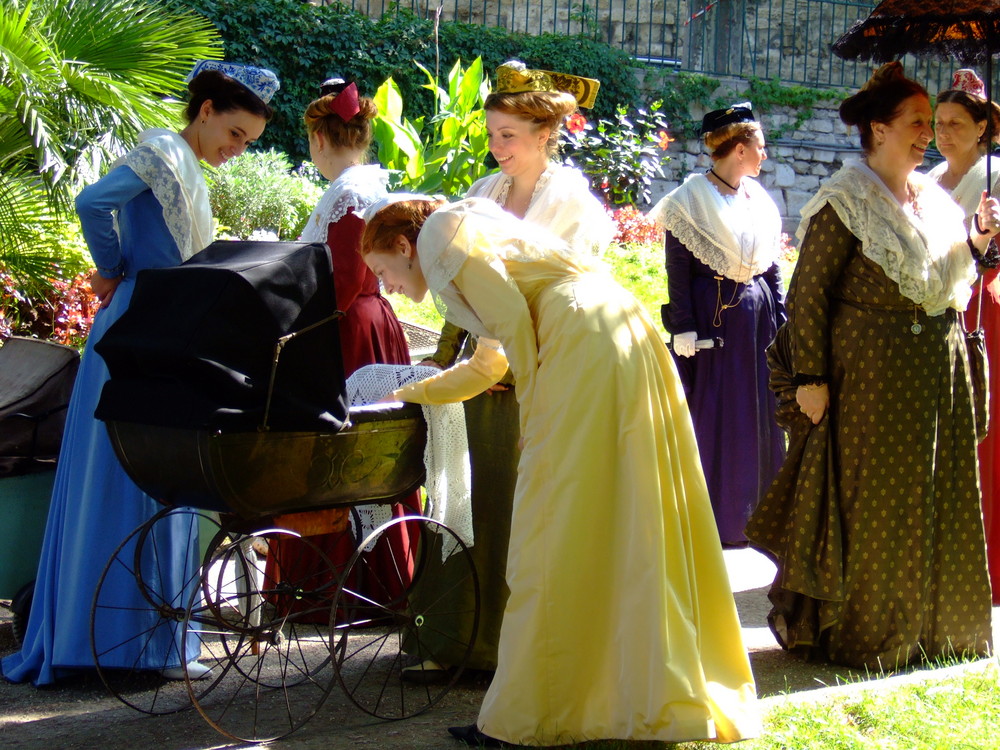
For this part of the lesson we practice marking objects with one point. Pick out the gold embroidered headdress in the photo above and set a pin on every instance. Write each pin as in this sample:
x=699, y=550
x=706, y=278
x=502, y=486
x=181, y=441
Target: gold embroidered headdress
x=514, y=78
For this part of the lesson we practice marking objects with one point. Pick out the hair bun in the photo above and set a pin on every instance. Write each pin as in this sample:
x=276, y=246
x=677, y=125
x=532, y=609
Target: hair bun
x=890, y=72
x=367, y=108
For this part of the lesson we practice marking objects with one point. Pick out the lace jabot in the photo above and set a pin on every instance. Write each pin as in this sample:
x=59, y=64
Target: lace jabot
x=165, y=162
x=924, y=251
x=738, y=236
x=356, y=188
x=561, y=203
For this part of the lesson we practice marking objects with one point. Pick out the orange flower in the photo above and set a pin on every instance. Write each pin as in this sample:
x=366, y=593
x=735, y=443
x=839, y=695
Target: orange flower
x=576, y=122
x=665, y=140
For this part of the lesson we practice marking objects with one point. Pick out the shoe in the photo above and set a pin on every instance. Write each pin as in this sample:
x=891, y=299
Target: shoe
x=426, y=672
x=194, y=670
x=471, y=735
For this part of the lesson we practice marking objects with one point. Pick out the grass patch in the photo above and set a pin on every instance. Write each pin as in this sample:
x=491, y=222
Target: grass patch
x=960, y=711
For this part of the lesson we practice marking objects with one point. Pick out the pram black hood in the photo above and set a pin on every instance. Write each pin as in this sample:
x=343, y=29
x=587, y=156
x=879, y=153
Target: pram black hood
x=195, y=347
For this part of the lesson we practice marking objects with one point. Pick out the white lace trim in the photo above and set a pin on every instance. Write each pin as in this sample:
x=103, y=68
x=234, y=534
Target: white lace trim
x=446, y=457
x=737, y=236
x=356, y=188
x=970, y=188
x=165, y=162
x=561, y=203
x=924, y=252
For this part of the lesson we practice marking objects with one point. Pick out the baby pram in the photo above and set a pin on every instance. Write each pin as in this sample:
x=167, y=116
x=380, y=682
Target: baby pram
x=226, y=403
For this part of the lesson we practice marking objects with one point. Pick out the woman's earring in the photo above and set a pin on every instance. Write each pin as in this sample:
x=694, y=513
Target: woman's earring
x=409, y=266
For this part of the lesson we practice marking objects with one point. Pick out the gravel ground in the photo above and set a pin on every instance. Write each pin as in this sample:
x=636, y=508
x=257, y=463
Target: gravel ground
x=80, y=713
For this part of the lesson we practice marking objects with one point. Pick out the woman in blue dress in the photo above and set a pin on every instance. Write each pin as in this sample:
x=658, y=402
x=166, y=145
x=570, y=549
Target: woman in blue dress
x=723, y=237
x=150, y=211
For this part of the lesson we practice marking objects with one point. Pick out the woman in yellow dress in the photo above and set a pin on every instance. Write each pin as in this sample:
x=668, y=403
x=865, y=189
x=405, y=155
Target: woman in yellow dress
x=620, y=622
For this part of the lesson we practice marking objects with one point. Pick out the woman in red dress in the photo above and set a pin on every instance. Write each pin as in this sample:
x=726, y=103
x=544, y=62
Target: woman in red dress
x=340, y=134
x=966, y=125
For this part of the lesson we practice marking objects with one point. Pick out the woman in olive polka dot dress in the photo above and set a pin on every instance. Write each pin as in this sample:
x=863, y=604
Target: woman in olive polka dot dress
x=874, y=519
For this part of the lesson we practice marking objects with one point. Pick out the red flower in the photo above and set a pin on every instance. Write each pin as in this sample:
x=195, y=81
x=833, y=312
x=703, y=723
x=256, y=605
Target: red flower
x=575, y=123
x=665, y=140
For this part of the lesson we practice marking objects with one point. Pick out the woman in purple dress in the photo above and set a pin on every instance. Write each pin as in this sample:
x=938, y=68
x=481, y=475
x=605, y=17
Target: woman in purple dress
x=723, y=236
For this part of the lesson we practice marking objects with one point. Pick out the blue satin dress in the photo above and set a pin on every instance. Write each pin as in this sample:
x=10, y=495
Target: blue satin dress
x=95, y=506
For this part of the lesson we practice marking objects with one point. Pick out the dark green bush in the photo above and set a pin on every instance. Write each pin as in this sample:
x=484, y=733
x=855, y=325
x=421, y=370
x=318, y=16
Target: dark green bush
x=305, y=44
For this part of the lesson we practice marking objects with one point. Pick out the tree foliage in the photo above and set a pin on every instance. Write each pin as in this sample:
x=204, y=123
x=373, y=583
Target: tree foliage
x=78, y=81
x=306, y=44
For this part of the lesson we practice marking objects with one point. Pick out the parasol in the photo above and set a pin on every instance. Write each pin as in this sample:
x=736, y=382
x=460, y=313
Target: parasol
x=966, y=30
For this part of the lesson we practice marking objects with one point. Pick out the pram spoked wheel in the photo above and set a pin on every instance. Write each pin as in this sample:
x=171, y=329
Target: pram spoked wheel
x=371, y=625
x=261, y=617
x=139, y=604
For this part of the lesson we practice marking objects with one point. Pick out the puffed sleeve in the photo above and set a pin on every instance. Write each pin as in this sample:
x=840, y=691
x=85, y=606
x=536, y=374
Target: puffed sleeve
x=678, y=315
x=349, y=269
x=772, y=277
x=97, y=205
x=826, y=250
x=498, y=303
x=483, y=282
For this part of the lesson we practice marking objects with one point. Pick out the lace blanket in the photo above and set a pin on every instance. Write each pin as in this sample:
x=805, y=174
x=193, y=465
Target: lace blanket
x=446, y=457
x=737, y=236
x=923, y=250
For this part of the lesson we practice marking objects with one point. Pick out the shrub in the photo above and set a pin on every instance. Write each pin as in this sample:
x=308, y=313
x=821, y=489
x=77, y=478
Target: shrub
x=622, y=157
x=59, y=306
x=634, y=228
x=64, y=313
x=257, y=191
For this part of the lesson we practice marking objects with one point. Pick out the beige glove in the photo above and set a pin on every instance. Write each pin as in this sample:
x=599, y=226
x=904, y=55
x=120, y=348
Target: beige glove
x=684, y=343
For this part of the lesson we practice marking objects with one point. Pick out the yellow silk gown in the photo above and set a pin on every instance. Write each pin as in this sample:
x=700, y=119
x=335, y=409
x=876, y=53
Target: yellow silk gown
x=621, y=623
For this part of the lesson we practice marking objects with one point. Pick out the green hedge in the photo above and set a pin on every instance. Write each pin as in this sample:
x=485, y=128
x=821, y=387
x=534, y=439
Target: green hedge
x=305, y=44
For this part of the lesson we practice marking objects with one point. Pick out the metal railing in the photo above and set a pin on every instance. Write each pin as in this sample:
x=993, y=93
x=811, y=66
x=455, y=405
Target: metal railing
x=786, y=40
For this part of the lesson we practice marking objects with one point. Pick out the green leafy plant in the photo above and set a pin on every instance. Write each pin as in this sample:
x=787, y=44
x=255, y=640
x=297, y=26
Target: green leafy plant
x=679, y=92
x=800, y=100
x=78, y=82
x=445, y=153
x=258, y=192
x=620, y=157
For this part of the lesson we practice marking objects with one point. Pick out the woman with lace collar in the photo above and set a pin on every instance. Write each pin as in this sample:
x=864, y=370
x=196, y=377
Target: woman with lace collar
x=966, y=125
x=150, y=211
x=525, y=113
x=874, y=519
x=723, y=236
x=340, y=133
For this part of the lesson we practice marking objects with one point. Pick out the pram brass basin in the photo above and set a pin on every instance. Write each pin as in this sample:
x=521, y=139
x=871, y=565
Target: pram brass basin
x=256, y=474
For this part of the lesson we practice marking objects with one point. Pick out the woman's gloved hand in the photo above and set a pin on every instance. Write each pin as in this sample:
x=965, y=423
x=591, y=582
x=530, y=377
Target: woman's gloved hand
x=684, y=343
